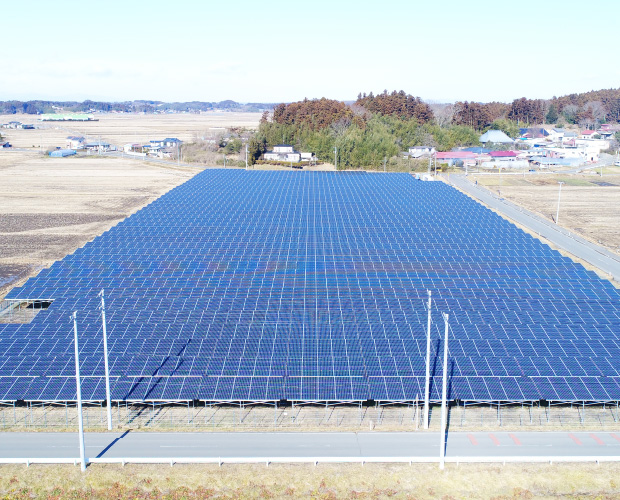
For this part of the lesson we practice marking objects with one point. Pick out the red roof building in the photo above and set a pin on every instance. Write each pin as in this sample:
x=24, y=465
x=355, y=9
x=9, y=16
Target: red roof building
x=455, y=155
x=503, y=154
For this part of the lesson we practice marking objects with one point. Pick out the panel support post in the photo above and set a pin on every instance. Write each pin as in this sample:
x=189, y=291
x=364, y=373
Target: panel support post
x=442, y=430
x=105, y=360
x=79, y=394
x=427, y=380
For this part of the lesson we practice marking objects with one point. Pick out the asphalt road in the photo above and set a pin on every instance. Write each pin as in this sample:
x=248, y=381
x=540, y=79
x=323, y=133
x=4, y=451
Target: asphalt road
x=307, y=445
x=594, y=254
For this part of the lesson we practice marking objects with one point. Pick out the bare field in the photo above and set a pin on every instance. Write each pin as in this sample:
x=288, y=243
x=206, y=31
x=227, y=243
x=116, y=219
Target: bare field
x=327, y=481
x=49, y=207
x=588, y=208
x=120, y=129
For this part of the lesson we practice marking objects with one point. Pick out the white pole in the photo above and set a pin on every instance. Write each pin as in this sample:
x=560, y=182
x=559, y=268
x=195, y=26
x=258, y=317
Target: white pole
x=79, y=394
x=427, y=382
x=246, y=156
x=105, y=359
x=557, y=215
x=442, y=430
x=336, y=158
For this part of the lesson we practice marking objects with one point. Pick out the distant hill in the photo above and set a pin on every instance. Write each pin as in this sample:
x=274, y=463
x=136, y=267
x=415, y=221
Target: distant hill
x=138, y=106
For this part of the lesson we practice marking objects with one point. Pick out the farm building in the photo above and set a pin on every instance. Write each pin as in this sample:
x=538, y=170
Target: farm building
x=61, y=153
x=495, y=137
x=72, y=117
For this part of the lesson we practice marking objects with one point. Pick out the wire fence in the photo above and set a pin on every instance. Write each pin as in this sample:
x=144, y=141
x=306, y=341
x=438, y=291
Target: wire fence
x=206, y=417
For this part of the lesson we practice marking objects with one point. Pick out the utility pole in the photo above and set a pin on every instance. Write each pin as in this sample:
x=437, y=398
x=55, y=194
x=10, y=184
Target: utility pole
x=442, y=430
x=557, y=215
x=430, y=162
x=178, y=157
x=427, y=380
x=336, y=158
x=105, y=359
x=499, y=189
x=384, y=162
x=79, y=394
x=246, y=156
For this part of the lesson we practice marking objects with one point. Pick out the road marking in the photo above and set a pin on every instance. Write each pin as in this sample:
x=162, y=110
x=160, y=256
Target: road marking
x=515, y=439
x=494, y=439
x=596, y=438
x=472, y=439
x=615, y=437
x=574, y=438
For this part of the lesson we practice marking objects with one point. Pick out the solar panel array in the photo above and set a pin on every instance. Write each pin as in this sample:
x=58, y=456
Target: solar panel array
x=263, y=286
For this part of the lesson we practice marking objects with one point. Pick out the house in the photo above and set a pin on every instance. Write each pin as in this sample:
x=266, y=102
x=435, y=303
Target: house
x=27, y=126
x=451, y=157
x=504, y=155
x=134, y=149
x=13, y=125
x=98, y=146
x=534, y=133
x=171, y=142
x=74, y=142
x=421, y=151
x=283, y=152
x=587, y=134
x=495, y=137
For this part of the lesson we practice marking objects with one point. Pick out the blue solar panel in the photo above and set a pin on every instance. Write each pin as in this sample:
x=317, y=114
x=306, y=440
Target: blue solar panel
x=265, y=286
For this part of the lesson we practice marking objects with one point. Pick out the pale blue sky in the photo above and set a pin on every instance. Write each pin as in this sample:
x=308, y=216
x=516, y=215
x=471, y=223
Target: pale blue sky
x=274, y=50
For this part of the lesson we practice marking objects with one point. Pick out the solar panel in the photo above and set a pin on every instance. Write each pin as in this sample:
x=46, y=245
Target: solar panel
x=261, y=286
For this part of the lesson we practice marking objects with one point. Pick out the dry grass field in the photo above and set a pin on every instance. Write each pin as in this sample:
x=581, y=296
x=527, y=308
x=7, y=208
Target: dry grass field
x=49, y=207
x=325, y=481
x=587, y=207
x=120, y=129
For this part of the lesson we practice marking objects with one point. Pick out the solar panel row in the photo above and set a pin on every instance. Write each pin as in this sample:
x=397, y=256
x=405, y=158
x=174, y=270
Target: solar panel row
x=311, y=286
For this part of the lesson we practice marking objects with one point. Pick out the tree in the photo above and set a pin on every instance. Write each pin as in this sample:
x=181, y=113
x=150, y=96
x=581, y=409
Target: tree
x=472, y=114
x=256, y=147
x=399, y=104
x=233, y=146
x=570, y=113
x=552, y=114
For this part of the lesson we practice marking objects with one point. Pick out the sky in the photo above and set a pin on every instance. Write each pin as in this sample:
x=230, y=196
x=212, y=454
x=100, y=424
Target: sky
x=284, y=51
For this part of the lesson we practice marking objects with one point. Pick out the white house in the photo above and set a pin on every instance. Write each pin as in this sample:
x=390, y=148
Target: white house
x=283, y=152
x=420, y=151
x=74, y=142
x=171, y=142
x=100, y=146
x=12, y=124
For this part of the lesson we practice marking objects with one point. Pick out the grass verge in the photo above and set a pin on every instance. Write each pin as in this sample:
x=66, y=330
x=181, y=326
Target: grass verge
x=324, y=481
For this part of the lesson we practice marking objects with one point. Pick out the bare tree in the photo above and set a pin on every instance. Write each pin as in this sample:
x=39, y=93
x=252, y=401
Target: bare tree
x=595, y=112
x=444, y=113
